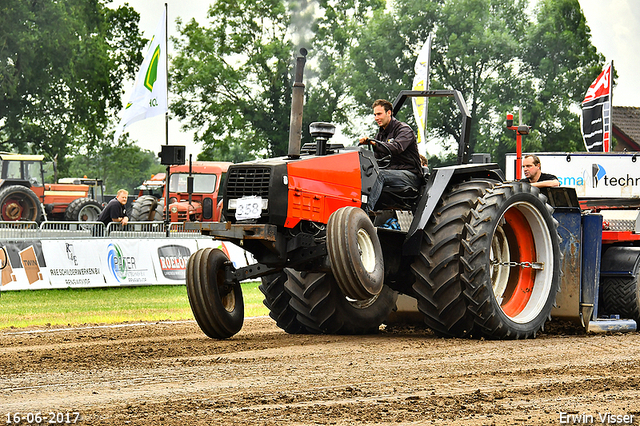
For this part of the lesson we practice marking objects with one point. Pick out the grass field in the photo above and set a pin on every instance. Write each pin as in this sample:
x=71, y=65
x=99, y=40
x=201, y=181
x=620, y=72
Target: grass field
x=107, y=305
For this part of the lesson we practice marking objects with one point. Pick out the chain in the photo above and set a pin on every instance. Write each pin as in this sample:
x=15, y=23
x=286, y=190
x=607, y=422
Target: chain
x=532, y=265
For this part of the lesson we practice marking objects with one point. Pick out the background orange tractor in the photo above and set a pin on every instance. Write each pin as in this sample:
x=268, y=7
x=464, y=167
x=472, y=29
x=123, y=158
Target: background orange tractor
x=24, y=196
x=198, y=203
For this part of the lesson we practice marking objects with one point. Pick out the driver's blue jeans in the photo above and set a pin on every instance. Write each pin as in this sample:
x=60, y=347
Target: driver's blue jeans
x=392, y=179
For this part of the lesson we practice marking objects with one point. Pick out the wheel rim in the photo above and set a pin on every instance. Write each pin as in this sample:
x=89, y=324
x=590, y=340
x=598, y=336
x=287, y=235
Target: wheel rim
x=362, y=304
x=522, y=236
x=12, y=210
x=225, y=290
x=88, y=214
x=18, y=208
x=367, y=251
x=500, y=273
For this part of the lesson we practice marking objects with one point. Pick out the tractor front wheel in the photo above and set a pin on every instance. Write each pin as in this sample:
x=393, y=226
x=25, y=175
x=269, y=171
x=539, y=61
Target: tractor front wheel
x=216, y=302
x=355, y=252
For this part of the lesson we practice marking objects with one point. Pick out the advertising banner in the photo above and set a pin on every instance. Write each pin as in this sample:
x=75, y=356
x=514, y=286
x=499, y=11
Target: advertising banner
x=593, y=175
x=73, y=263
x=126, y=262
x=79, y=263
x=23, y=265
x=170, y=259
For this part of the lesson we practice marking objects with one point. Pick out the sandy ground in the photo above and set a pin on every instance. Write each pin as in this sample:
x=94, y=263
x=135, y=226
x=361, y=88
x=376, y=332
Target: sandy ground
x=172, y=374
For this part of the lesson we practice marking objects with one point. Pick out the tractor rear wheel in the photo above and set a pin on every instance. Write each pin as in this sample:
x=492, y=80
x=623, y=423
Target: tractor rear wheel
x=621, y=296
x=147, y=208
x=18, y=202
x=355, y=252
x=83, y=210
x=437, y=268
x=511, y=261
x=322, y=307
x=277, y=300
x=216, y=303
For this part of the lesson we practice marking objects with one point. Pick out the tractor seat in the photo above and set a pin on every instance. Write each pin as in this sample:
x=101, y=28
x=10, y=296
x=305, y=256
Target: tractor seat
x=405, y=198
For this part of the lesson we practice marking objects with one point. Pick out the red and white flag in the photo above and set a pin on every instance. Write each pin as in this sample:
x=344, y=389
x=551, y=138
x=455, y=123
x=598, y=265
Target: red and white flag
x=595, y=121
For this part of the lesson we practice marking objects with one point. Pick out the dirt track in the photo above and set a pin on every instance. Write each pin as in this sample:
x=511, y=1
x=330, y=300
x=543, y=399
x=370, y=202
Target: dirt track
x=172, y=374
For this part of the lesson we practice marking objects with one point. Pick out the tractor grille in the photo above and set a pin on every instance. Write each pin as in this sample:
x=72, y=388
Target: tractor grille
x=248, y=181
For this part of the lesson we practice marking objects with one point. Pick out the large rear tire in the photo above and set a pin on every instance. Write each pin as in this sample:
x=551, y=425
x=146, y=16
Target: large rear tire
x=621, y=296
x=437, y=268
x=83, y=210
x=216, y=304
x=277, y=300
x=18, y=202
x=355, y=252
x=512, y=261
x=322, y=307
x=147, y=208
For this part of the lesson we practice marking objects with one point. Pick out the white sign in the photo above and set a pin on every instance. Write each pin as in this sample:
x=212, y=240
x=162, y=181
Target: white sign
x=72, y=263
x=248, y=208
x=593, y=175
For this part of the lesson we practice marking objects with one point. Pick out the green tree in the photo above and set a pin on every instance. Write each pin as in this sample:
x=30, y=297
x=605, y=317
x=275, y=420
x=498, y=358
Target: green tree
x=497, y=57
x=232, y=79
x=62, y=64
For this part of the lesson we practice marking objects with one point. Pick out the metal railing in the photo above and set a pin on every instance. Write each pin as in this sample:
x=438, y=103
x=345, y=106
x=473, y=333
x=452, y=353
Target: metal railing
x=57, y=230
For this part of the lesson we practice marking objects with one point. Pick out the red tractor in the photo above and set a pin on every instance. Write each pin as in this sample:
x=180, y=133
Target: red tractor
x=479, y=255
x=199, y=203
x=23, y=193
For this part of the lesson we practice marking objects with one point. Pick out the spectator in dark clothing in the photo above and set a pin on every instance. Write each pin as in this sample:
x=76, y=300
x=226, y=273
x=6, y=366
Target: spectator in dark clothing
x=396, y=139
x=114, y=211
x=533, y=173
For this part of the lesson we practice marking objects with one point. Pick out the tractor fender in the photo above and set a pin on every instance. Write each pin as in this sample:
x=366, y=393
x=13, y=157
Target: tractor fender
x=432, y=192
x=621, y=262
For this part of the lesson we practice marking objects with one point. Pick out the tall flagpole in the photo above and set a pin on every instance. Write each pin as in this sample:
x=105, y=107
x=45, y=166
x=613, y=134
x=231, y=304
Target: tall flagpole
x=166, y=71
x=167, y=220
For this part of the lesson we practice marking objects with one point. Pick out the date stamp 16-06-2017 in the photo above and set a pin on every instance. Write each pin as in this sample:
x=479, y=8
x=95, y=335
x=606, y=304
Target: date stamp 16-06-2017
x=42, y=418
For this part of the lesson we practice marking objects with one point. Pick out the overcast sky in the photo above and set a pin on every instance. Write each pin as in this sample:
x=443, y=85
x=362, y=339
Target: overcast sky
x=615, y=30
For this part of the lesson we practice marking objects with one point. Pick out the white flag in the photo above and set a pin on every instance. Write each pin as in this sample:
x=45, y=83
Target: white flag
x=149, y=96
x=421, y=82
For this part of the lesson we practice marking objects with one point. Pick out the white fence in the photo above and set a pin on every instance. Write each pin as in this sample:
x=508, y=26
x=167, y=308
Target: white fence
x=50, y=229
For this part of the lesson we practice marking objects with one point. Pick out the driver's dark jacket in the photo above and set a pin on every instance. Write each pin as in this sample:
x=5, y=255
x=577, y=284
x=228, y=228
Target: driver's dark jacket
x=399, y=138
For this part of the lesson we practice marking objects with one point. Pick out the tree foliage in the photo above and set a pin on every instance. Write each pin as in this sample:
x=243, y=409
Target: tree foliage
x=119, y=166
x=62, y=64
x=498, y=56
x=232, y=78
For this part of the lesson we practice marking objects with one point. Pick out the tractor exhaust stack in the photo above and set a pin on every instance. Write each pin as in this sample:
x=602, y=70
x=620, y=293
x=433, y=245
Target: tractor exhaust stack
x=297, y=102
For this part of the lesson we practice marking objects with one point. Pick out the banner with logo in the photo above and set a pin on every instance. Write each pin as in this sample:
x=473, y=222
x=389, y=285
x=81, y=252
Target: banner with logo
x=595, y=122
x=23, y=265
x=593, y=175
x=79, y=263
x=126, y=262
x=169, y=259
x=73, y=263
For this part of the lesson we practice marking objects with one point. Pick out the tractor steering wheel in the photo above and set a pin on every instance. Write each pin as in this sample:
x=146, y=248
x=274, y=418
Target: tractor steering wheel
x=385, y=160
